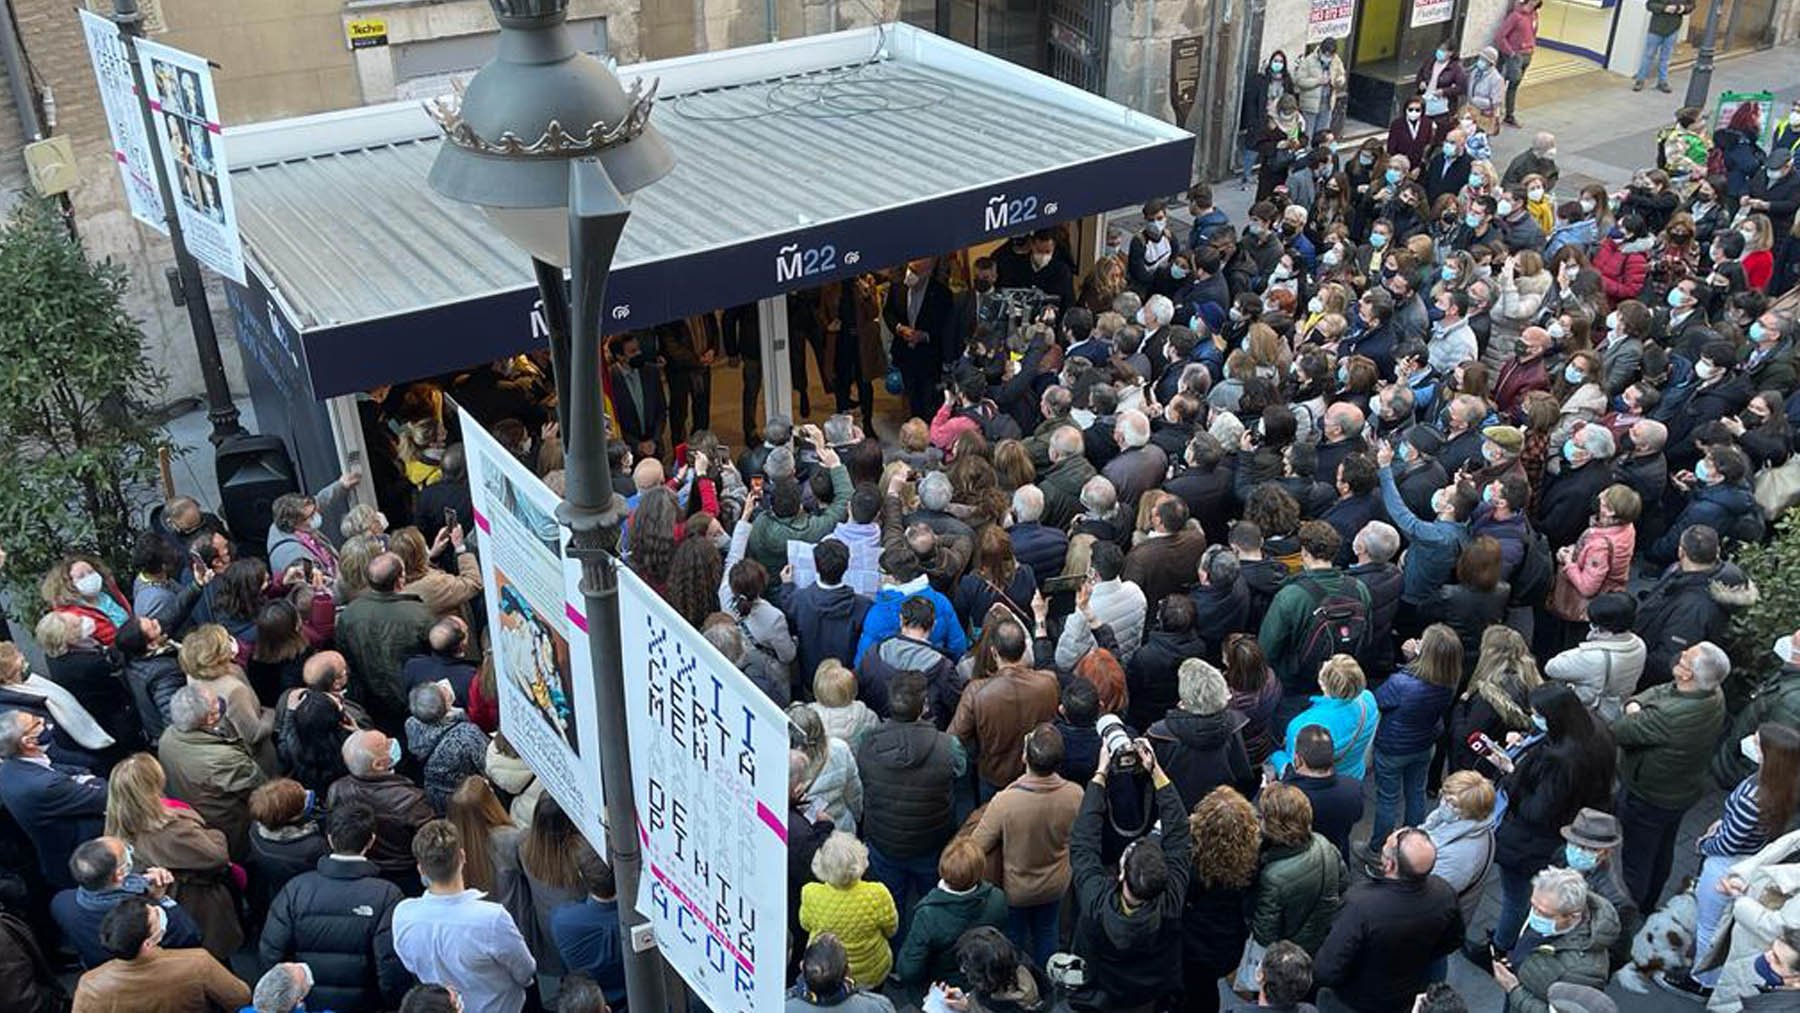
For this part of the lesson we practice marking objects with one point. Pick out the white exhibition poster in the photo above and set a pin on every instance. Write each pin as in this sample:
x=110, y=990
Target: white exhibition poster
x=1329, y=19
x=124, y=118
x=538, y=628
x=1431, y=12
x=193, y=151
x=709, y=766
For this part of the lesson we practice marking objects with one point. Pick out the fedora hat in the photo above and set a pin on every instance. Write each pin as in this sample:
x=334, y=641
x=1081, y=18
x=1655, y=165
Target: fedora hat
x=1593, y=829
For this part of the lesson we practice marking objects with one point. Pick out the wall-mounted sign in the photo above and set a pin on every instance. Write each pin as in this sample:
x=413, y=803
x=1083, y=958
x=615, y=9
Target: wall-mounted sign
x=1184, y=75
x=1329, y=19
x=1432, y=12
x=365, y=33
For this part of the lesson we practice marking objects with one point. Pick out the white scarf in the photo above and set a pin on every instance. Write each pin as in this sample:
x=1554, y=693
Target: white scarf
x=68, y=712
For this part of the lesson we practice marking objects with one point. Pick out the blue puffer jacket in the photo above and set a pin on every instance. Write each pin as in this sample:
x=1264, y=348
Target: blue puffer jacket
x=1716, y=506
x=1041, y=548
x=1432, y=545
x=1411, y=711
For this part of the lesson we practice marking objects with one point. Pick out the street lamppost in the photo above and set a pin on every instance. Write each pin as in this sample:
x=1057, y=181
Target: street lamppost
x=548, y=144
x=1700, y=78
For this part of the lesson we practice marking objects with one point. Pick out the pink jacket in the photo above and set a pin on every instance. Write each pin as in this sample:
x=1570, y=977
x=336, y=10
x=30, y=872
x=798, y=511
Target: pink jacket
x=1602, y=560
x=1518, y=33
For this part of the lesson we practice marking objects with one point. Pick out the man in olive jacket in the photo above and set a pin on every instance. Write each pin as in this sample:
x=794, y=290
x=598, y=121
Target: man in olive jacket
x=377, y=632
x=1665, y=738
x=785, y=521
x=1565, y=942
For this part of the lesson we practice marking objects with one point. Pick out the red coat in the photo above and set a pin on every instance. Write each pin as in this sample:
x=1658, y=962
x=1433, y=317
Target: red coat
x=104, y=630
x=1621, y=273
x=1518, y=378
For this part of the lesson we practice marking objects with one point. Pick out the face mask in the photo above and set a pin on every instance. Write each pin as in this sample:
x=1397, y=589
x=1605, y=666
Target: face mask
x=1437, y=502
x=1448, y=272
x=1774, y=173
x=1276, y=66
x=1476, y=182
x=1705, y=370
x=1579, y=858
x=1366, y=158
x=1112, y=250
x=1237, y=315
x=89, y=584
x=1472, y=220
x=1315, y=305
x=1156, y=226
x=1703, y=472
x=1412, y=115
x=1449, y=149
x=1503, y=208
x=1758, y=332
x=1441, y=55
x=1794, y=118
x=316, y=521
x=1343, y=375
x=912, y=278
x=1378, y=239
x=1494, y=455
x=394, y=751
x=1541, y=723
x=1536, y=193
x=1448, y=809
x=1676, y=299
x=1587, y=205
x=1487, y=493
x=1039, y=261
x=1748, y=234
x=1751, y=747
x=1784, y=649
x=1569, y=450
x=1177, y=272
x=1331, y=257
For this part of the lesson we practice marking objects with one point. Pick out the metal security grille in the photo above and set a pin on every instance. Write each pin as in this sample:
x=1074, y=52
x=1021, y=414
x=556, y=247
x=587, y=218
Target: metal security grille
x=1077, y=33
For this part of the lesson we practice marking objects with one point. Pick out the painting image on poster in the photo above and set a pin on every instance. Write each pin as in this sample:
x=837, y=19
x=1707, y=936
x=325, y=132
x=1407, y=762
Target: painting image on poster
x=536, y=661
x=189, y=133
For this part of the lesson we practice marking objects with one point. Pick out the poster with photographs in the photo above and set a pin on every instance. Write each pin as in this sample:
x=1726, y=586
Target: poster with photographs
x=186, y=111
x=124, y=119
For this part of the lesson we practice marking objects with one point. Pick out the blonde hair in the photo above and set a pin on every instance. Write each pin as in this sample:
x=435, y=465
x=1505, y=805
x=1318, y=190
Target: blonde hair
x=409, y=544
x=12, y=663
x=134, y=797
x=207, y=653
x=840, y=861
x=915, y=436
x=58, y=588
x=1765, y=232
x=55, y=632
x=358, y=520
x=833, y=684
x=1472, y=793
x=1341, y=677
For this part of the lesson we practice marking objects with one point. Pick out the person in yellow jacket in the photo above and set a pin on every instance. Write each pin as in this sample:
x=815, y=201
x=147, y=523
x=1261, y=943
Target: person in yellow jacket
x=860, y=913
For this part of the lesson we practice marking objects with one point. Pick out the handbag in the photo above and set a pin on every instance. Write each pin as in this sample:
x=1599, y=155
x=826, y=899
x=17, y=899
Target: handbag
x=1776, y=489
x=1248, y=977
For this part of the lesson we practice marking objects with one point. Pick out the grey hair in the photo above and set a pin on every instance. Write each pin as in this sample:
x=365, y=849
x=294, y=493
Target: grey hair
x=1399, y=394
x=728, y=640
x=1098, y=496
x=1597, y=440
x=1027, y=504
x=12, y=733
x=1710, y=665
x=279, y=990
x=1161, y=308
x=1379, y=540
x=1347, y=417
x=358, y=520
x=778, y=430
x=426, y=702
x=1227, y=428
x=779, y=464
x=1220, y=565
x=189, y=706
x=838, y=429
x=55, y=632
x=1202, y=687
x=1127, y=303
x=1566, y=888
x=359, y=757
x=1134, y=427
x=1065, y=442
x=935, y=491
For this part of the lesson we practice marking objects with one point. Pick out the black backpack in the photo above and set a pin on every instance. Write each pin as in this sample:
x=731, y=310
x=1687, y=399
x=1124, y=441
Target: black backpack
x=1337, y=624
x=1537, y=568
x=995, y=425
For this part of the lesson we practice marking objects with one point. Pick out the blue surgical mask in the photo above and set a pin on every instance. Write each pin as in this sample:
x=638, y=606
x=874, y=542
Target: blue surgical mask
x=1703, y=471
x=1449, y=148
x=1757, y=331
x=1276, y=66
x=1393, y=176
x=1343, y=375
x=1503, y=208
x=1447, y=272
x=1675, y=299
x=1487, y=495
x=1378, y=239
x=1472, y=219
x=1572, y=373
x=1568, y=451
x=1177, y=272
x=1403, y=451
x=1366, y=158
x=1475, y=181
x=1579, y=858
x=1541, y=723
x=394, y=751
x=1543, y=925
x=1442, y=54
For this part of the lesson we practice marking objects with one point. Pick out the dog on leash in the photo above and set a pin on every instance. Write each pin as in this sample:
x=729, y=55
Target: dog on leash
x=1665, y=943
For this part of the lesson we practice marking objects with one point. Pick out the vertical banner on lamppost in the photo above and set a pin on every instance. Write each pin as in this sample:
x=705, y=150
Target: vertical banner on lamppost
x=538, y=626
x=124, y=118
x=187, y=117
x=709, y=765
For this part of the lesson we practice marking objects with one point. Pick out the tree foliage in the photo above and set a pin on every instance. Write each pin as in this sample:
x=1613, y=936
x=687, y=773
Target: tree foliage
x=77, y=454
x=1775, y=567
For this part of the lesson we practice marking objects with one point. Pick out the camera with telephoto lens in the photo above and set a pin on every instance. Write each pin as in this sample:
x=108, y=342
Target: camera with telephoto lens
x=1118, y=746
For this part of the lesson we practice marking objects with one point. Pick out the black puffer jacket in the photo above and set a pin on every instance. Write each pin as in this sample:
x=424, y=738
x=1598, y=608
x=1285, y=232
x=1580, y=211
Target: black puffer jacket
x=1200, y=752
x=1152, y=686
x=338, y=920
x=909, y=779
x=1684, y=608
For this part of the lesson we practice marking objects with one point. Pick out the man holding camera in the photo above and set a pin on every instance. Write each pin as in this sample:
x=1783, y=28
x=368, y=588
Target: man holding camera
x=1138, y=911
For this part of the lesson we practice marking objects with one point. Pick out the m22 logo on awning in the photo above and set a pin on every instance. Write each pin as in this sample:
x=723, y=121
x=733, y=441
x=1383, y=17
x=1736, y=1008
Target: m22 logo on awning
x=1003, y=212
x=792, y=263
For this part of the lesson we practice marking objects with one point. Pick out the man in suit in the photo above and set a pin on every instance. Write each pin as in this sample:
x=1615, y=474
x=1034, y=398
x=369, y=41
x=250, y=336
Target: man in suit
x=690, y=347
x=918, y=310
x=58, y=807
x=639, y=407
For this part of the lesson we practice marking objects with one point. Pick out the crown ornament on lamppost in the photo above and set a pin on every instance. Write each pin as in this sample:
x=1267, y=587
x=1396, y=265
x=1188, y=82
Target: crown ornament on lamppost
x=541, y=102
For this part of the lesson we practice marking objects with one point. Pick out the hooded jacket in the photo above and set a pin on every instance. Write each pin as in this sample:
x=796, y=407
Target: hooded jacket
x=1685, y=607
x=1577, y=957
x=1201, y=752
x=897, y=654
x=338, y=920
x=827, y=622
x=1716, y=506
x=1116, y=941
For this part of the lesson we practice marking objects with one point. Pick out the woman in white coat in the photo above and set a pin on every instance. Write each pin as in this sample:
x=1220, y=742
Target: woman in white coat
x=1604, y=669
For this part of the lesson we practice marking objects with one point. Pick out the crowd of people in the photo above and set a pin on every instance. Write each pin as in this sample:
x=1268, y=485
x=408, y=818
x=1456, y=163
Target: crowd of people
x=1424, y=474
